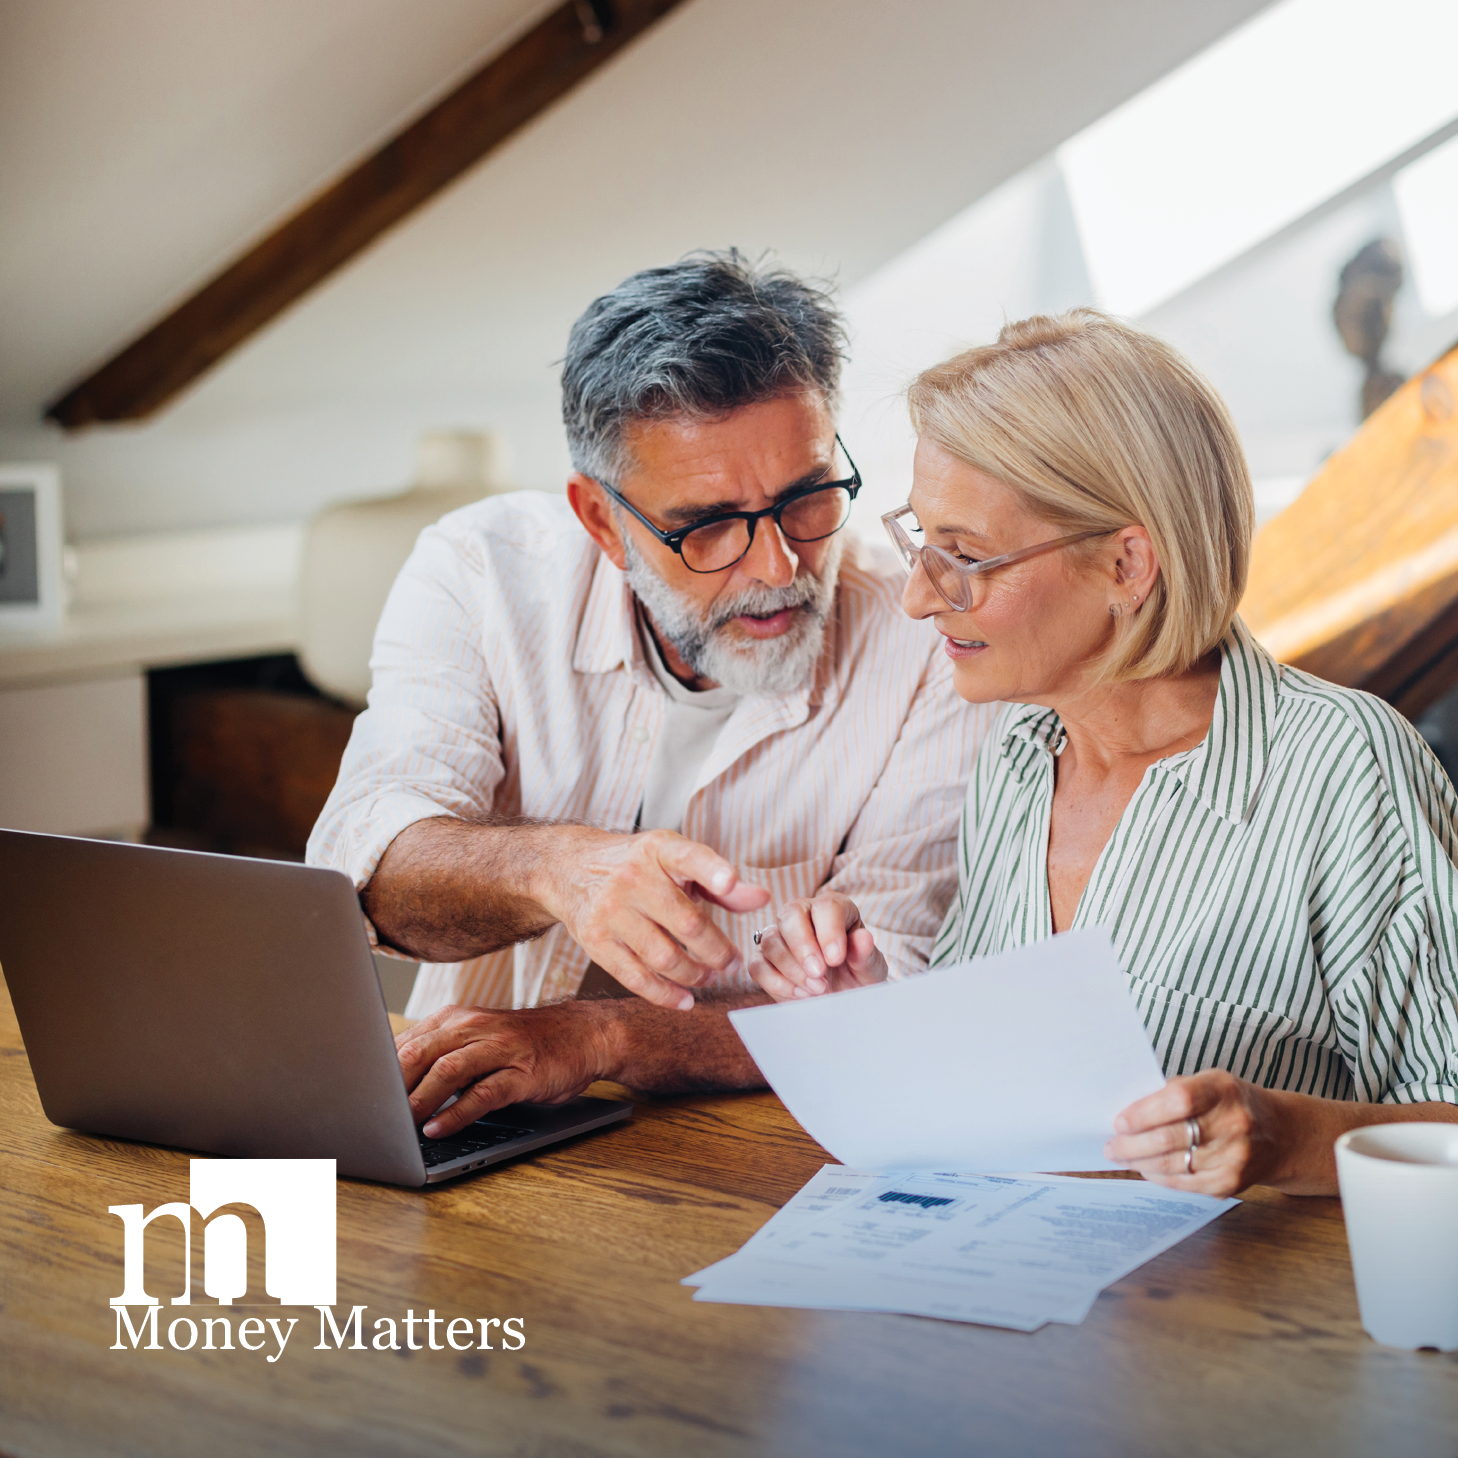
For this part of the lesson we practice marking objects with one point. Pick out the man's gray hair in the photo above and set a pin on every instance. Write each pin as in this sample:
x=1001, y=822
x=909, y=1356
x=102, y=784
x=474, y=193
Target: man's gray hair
x=699, y=338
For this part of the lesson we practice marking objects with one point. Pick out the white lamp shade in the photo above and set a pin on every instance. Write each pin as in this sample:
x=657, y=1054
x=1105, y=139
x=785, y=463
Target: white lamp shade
x=354, y=552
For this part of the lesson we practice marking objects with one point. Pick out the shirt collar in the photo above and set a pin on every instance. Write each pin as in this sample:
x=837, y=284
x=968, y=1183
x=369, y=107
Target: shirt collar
x=1032, y=733
x=1224, y=771
x=607, y=636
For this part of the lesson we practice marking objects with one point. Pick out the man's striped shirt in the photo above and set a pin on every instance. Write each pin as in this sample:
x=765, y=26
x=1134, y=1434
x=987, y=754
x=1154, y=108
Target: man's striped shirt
x=1283, y=897
x=510, y=679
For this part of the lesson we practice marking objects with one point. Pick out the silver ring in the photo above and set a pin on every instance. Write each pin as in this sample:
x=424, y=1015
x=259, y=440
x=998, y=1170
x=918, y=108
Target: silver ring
x=764, y=931
x=1192, y=1129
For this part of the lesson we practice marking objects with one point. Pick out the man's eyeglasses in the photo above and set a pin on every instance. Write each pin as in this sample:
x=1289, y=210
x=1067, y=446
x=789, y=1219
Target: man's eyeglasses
x=718, y=542
x=951, y=578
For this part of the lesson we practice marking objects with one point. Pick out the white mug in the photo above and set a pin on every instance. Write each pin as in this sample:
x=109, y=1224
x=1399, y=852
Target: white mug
x=1399, y=1186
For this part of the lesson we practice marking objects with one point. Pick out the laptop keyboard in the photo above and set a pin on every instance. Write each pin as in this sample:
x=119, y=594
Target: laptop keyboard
x=471, y=1140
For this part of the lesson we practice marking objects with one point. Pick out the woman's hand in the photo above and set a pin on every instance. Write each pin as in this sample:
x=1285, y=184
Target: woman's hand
x=818, y=944
x=1244, y=1134
x=1248, y=1135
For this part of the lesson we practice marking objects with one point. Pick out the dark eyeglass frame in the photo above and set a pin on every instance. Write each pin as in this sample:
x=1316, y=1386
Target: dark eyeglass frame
x=913, y=556
x=675, y=539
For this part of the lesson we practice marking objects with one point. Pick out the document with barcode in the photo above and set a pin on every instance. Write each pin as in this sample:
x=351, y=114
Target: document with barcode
x=1004, y=1250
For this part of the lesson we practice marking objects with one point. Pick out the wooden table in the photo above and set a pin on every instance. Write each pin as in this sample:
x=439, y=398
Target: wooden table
x=1242, y=1340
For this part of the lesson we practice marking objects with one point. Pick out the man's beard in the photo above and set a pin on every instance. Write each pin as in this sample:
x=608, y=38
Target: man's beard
x=742, y=664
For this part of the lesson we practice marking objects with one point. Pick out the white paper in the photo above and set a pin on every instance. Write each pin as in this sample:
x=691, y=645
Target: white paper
x=826, y=1191
x=1001, y=1250
x=1014, y=1062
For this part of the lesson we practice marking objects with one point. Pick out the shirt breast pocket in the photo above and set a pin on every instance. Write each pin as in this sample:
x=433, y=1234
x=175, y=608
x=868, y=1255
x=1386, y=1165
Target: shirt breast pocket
x=1191, y=1033
x=787, y=883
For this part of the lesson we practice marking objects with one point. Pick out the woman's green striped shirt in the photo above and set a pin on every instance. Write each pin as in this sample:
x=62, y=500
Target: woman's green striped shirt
x=1283, y=897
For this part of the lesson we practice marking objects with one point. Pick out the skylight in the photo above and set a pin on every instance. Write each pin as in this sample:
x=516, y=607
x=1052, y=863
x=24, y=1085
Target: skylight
x=1427, y=197
x=1276, y=118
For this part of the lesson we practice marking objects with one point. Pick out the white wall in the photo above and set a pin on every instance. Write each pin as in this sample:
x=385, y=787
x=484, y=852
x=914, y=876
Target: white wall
x=1262, y=331
x=73, y=758
x=1013, y=253
x=1260, y=327
x=144, y=142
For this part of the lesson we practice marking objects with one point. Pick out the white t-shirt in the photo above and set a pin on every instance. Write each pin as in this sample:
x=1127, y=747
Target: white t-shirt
x=691, y=724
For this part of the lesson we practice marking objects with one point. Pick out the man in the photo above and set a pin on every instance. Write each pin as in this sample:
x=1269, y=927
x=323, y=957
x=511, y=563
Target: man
x=605, y=729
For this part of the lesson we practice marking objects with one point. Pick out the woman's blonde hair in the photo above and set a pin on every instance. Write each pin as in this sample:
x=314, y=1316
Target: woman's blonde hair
x=1096, y=425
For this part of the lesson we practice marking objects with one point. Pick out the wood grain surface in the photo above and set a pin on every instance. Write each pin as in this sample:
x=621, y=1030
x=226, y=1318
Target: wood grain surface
x=1242, y=1340
x=1357, y=580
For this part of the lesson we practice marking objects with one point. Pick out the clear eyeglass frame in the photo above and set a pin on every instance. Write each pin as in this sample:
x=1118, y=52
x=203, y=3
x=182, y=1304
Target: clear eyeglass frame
x=953, y=580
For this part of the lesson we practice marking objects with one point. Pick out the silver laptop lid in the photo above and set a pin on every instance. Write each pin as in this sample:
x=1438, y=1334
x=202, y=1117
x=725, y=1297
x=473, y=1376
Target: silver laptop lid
x=208, y=1002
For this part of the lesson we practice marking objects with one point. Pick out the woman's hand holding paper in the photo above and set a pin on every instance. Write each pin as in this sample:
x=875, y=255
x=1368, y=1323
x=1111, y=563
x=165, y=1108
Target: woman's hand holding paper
x=1247, y=1135
x=818, y=944
x=1240, y=1133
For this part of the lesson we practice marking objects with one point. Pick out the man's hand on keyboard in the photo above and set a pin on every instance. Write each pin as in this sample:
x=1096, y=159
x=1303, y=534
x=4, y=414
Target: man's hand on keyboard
x=543, y=1055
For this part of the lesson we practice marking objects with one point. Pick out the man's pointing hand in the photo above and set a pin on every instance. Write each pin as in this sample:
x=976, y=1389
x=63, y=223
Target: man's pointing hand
x=637, y=904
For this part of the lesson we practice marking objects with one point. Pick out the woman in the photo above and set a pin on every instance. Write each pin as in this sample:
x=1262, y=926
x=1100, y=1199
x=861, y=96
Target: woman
x=1272, y=855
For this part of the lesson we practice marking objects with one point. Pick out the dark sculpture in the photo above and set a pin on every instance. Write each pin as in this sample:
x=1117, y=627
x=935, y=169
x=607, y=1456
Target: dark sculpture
x=1363, y=314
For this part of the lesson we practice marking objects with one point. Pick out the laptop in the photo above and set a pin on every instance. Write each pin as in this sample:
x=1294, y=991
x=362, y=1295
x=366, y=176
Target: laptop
x=226, y=1006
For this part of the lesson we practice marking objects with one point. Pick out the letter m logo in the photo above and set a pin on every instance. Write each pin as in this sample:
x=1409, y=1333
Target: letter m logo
x=295, y=1201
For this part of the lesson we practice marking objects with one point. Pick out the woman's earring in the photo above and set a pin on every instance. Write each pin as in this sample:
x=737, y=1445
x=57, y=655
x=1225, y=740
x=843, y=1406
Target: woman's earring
x=1116, y=610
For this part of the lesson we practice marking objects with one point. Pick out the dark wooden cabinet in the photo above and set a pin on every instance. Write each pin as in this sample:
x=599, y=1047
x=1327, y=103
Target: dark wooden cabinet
x=243, y=755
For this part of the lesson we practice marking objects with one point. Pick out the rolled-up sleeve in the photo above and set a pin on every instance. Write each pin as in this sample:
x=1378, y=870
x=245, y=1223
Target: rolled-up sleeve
x=1398, y=1016
x=429, y=743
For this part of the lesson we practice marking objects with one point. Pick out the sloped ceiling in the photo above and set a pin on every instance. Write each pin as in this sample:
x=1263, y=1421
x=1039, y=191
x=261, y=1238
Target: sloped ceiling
x=144, y=142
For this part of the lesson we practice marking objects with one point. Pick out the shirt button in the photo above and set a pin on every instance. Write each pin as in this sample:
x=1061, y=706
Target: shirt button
x=640, y=735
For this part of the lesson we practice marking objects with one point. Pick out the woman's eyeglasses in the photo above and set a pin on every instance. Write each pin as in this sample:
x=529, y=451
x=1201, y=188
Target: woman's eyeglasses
x=951, y=578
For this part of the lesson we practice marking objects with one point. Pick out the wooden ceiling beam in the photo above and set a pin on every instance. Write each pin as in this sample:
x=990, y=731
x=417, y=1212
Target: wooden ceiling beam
x=351, y=213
